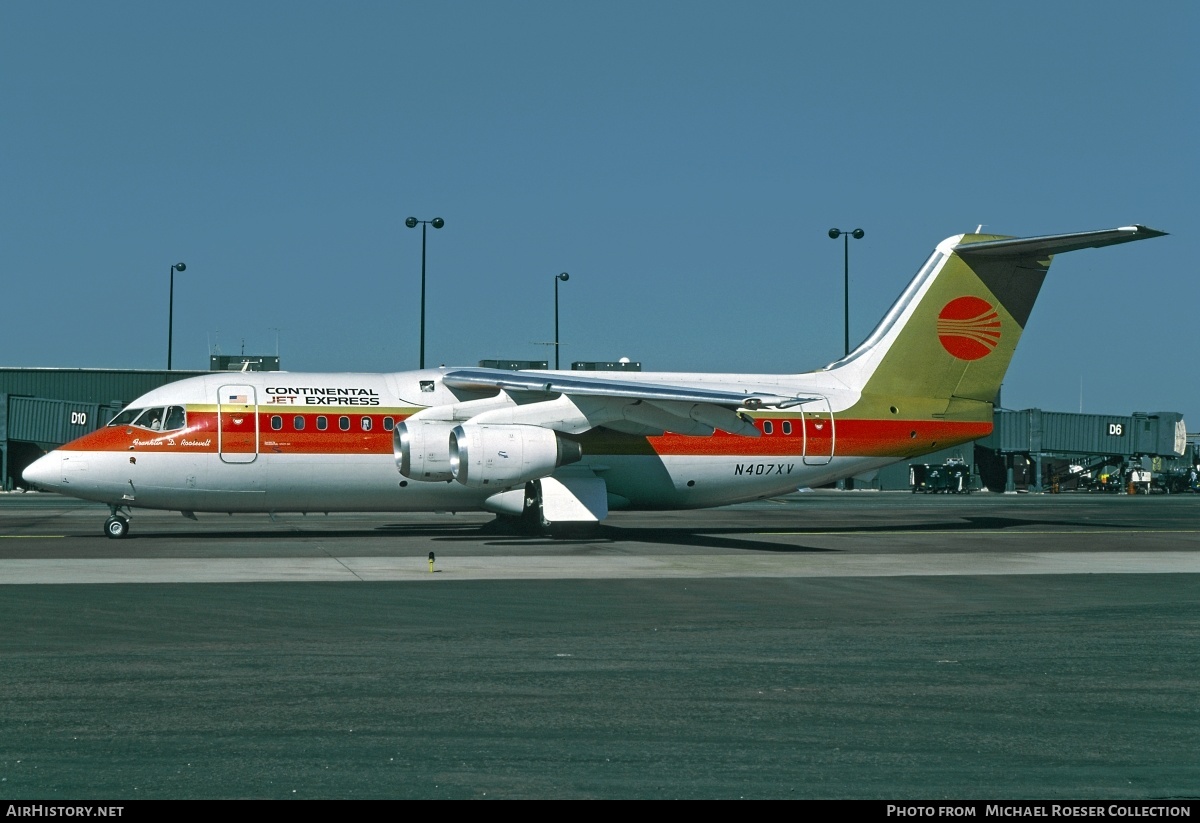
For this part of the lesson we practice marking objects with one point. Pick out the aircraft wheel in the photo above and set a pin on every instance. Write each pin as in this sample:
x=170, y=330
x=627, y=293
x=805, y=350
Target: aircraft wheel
x=116, y=527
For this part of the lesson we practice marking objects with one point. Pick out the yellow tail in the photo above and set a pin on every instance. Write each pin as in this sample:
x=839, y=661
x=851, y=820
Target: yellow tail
x=943, y=348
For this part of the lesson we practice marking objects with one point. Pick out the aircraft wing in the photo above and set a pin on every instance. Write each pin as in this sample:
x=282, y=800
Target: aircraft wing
x=580, y=403
x=600, y=387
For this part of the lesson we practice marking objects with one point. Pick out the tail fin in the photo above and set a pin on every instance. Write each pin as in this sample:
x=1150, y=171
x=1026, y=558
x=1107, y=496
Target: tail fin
x=944, y=346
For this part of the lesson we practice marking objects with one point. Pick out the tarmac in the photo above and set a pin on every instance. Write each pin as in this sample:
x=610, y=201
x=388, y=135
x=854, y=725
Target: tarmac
x=823, y=645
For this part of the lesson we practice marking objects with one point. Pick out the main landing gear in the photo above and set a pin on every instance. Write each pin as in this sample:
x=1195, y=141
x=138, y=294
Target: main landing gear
x=117, y=525
x=532, y=523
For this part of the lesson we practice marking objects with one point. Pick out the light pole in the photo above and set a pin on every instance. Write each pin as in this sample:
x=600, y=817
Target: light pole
x=857, y=234
x=437, y=223
x=171, y=312
x=563, y=277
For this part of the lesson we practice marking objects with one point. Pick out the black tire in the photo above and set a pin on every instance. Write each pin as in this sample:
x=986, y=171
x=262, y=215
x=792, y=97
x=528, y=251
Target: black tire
x=116, y=527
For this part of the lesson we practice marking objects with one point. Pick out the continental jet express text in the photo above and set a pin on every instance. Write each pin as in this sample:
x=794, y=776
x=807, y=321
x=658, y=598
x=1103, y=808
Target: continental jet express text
x=323, y=397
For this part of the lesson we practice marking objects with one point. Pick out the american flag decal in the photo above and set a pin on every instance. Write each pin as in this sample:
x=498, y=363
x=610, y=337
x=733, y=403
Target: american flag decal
x=238, y=398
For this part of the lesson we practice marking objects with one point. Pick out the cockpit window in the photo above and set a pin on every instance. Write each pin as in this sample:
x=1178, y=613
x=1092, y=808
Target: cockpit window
x=176, y=419
x=125, y=418
x=150, y=419
x=160, y=418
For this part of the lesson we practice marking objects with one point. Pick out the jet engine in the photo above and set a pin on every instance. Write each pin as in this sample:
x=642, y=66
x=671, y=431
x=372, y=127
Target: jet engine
x=504, y=455
x=422, y=449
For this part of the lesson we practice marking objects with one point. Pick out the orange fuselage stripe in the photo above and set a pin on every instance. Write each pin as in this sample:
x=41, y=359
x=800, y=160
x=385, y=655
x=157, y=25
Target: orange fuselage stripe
x=852, y=437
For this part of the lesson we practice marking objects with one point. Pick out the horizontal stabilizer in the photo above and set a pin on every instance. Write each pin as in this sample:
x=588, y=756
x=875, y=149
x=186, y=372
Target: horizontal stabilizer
x=1042, y=247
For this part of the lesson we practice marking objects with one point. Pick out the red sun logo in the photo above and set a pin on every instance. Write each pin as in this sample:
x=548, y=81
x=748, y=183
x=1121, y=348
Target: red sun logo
x=968, y=328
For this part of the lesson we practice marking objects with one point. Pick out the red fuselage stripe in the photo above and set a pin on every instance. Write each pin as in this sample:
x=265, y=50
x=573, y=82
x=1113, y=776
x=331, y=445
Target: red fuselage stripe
x=851, y=437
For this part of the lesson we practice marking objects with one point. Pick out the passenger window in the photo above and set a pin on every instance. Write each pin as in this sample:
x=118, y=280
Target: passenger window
x=767, y=427
x=344, y=423
x=787, y=426
x=388, y=424
x=298, y=423
x=366, y=424
x=276, y=422
x=322, y=422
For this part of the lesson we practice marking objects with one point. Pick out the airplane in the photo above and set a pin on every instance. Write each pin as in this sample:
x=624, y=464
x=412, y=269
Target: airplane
x=547, y=449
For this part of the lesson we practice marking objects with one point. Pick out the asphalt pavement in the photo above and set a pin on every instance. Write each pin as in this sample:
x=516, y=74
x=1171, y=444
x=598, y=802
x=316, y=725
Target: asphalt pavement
x=824, y=645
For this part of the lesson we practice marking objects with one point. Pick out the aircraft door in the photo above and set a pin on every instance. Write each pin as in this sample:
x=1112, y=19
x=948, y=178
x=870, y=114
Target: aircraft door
x=237, y=423
x=819, y=432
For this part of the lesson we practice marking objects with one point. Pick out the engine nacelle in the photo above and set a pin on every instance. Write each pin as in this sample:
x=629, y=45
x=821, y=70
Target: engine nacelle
x=422, y=449
x=504, y=455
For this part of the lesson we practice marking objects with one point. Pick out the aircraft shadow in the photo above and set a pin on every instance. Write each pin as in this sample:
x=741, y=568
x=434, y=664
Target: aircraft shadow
x=379, y=532
x=757, y=538
x=604, y=535
x=964, y=523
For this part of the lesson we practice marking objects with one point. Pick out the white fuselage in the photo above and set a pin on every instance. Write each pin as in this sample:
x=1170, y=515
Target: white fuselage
x=348, y=464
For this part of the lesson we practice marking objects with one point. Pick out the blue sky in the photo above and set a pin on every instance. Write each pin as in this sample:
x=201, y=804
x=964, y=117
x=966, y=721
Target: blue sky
x=682, y=161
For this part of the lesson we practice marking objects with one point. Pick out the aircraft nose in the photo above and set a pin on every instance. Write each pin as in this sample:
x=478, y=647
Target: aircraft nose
x=45, y=472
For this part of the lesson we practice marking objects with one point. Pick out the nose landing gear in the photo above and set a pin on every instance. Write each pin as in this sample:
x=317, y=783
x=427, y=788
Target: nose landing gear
x=117, y=525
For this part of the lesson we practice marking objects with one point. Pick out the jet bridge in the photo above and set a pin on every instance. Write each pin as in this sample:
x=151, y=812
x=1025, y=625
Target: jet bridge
x=1038, y=435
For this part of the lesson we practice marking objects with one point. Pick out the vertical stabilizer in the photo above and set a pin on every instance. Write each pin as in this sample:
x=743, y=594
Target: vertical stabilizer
x=944, y=346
